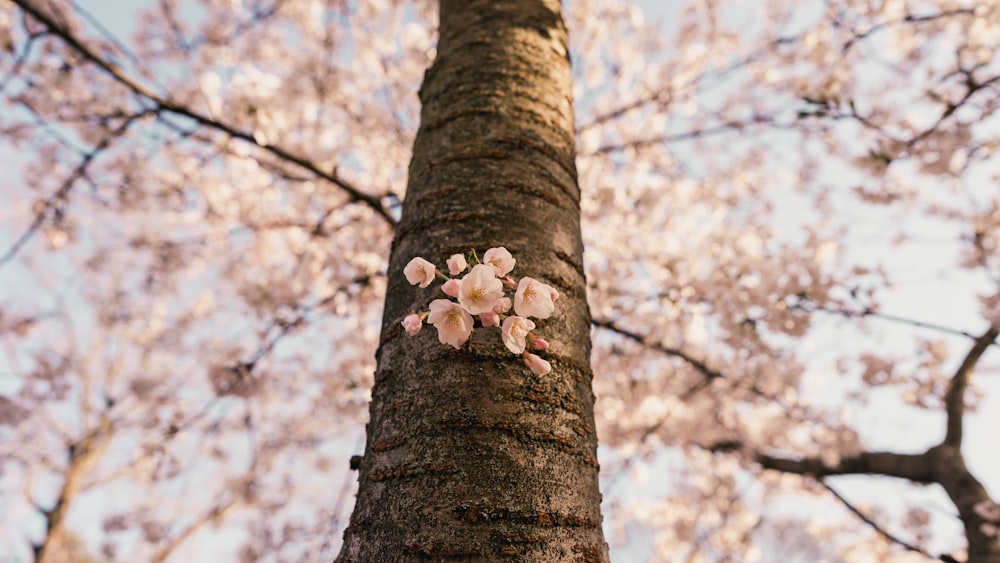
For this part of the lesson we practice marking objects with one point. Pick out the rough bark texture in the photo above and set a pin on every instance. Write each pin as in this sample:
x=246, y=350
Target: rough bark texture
x=469, y=455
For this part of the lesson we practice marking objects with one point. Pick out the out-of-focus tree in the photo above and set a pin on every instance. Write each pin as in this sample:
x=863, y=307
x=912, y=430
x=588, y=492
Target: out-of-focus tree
x=792, y=235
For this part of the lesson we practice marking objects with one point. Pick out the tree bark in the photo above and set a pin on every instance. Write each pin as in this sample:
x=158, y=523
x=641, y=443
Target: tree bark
x=468, y=453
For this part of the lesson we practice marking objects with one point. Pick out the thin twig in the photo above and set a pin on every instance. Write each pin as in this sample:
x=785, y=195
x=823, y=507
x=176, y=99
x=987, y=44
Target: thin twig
x=882, y=531
x=697, y=364
x=867, y=312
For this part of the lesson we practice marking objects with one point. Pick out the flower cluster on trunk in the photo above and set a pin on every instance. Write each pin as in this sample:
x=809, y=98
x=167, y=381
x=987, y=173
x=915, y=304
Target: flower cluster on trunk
x=480, y=295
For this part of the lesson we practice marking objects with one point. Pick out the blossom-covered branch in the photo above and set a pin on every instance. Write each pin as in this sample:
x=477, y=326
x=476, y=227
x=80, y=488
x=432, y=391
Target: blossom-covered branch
x=83, y=454
x=53, y=204
x=170, y=106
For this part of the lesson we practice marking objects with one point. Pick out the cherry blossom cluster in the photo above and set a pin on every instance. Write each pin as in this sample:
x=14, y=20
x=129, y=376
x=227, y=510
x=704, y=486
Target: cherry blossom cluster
x=480, y=295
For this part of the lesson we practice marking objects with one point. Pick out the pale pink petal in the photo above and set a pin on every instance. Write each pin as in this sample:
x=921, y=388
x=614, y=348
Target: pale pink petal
x=412, y=324
x=480, y=290
x=503, y=305
x=533, y=299
x=489, y=319
x=451, y=288
x=500, y=259
x=539, y=343
x=453, y=323
x=514, y=332
x=420, y=271
x=456, y=264
x=537, y=365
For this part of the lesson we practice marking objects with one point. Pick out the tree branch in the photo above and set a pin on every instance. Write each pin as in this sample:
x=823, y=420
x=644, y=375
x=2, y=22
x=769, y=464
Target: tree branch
x=882, y=531
x=239, y=490
x=967, y=493
x=914, y=467
x=79, y=172
x=725, y=127
x=166, y=105
x=83, y=455
x=955, y=398
x=214, y=514
x=811, y=307
x=942, y=464
x=700, y=366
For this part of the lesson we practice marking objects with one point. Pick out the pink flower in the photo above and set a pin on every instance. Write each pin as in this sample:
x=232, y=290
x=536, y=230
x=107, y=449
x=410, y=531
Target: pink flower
x=489, y=319
x=500, y=259
x=534, y=299
x=453, y=324
x=480, y=290
x=514, y=331
x=451, y=288
x=539, y=343
x=420, y=271
x=412, y=324
x=456, y=264
x=503, y=305
x=537, y=365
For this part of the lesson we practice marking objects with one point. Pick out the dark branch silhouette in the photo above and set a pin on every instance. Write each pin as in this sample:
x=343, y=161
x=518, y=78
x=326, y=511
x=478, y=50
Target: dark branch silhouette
x=882, y=531
x=696, y=364
x=58, y=198
x=164, y=104
x=955, y=398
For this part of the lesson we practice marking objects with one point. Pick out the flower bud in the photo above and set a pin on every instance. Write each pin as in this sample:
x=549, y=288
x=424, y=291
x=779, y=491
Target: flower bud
x=451, y=288
x=456, y=264
x=412, y=324
x=489, y=319
x=537, y=365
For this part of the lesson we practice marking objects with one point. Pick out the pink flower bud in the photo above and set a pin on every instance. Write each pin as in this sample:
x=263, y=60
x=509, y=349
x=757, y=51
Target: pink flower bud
x=456, y=265
x=539, y=343
x=503, y=305
x=514, y=332
x=412, y=324
x=489, y=319
x=451, y=288
x=537, y=365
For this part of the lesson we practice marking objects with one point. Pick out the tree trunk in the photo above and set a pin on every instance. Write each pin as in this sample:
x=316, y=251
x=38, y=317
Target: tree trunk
x=468, y=453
